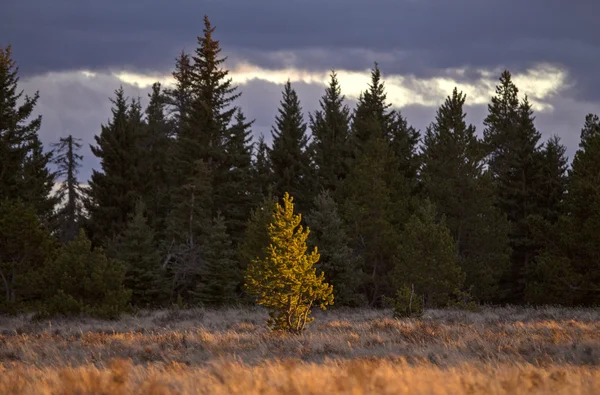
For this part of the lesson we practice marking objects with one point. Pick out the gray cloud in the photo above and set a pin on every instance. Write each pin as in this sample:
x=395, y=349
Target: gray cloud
x=408, y=37
x=71, y=103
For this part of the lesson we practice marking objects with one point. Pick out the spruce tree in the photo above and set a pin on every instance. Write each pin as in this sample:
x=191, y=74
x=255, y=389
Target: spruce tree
x=454, y=180
x=256, y=237
x=427, y=260
x=24, y=170
x=115, y=189
x=238, y=192
x=289, y=156
x=338, y=262
x=375, y=203
x=566, y=271
x=554, y=179
x=286, y=280
x=156, y=147
x=330, y=146
x=261, y=171
x=515, y=162
x=187, y=230
x=207, y=123
x=136, y=249
x=83, y=280
x=372, y=117
x=25, y=247
x=220, y=274
x=70, y=193
x=179, y=98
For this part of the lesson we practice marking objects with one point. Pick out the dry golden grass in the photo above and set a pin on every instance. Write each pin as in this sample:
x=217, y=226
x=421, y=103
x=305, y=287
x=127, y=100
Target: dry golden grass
x=496, y=351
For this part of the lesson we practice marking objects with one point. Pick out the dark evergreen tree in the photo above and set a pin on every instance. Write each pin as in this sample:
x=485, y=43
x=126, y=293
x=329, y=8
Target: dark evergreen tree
x=70, y=192
x=155, y=176
x=426, y=259
x=220, y=274
x=204, y=131
x=261, y=171
x=567, y=270
x=404, y=140
x=289, y=156
x=187, y=230
x=24, y=170
x=372, y=117
x=114, y=191
x=339, y=263
x=454, y=180
x=179, y=99
x=25, y=247
x=554, y=179
x=238, y=192
x=375, y=204
x=330, y=146
x=256, y=237
x=83, y=280
x=515, y=162
x=136, y=249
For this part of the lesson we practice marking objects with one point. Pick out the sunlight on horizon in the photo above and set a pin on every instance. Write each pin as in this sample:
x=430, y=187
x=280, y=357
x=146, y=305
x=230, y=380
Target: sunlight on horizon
x=539, y=83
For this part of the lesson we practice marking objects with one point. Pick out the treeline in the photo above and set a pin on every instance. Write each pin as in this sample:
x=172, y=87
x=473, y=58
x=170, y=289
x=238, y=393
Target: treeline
x=184, y=198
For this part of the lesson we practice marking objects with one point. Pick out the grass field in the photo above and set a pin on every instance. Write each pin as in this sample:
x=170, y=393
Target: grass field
x=495, y=351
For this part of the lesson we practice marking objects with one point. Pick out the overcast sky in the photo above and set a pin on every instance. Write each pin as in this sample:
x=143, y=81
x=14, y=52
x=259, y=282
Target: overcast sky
x=76, y=53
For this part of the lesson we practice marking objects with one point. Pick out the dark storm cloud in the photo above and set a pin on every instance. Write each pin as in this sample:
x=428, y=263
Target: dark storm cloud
x=419, y=37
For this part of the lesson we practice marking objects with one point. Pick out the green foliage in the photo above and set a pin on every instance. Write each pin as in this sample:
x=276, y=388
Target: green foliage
x=237, y=193
x=338, y=262
x=220, y=274
x=24, y=170
x=136, y=249
x=330, y=146
x=256, y=238
x=375, y=203
x=25, y=246
x=567, y=271
x=82, y=280
x=427, y=259
x=454, y=180
x=516, y=166
x=285, y=281
x=114, y=190
x=406, y=303
x=289, y=157
x=157, y=147
x=188, y=227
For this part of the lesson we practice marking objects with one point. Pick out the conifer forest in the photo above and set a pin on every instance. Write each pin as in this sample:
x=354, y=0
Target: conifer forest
x=349, y=210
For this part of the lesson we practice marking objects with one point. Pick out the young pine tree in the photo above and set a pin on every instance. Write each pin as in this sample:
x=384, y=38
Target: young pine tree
x=338, y=262
x=70, y=193
x=285, y=281
x=289, y=157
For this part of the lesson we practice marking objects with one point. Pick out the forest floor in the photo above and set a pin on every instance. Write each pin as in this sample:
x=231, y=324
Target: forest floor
x=200, y=351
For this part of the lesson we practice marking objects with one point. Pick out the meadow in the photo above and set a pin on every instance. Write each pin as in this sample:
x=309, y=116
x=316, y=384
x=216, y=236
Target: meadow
x=348, y=351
